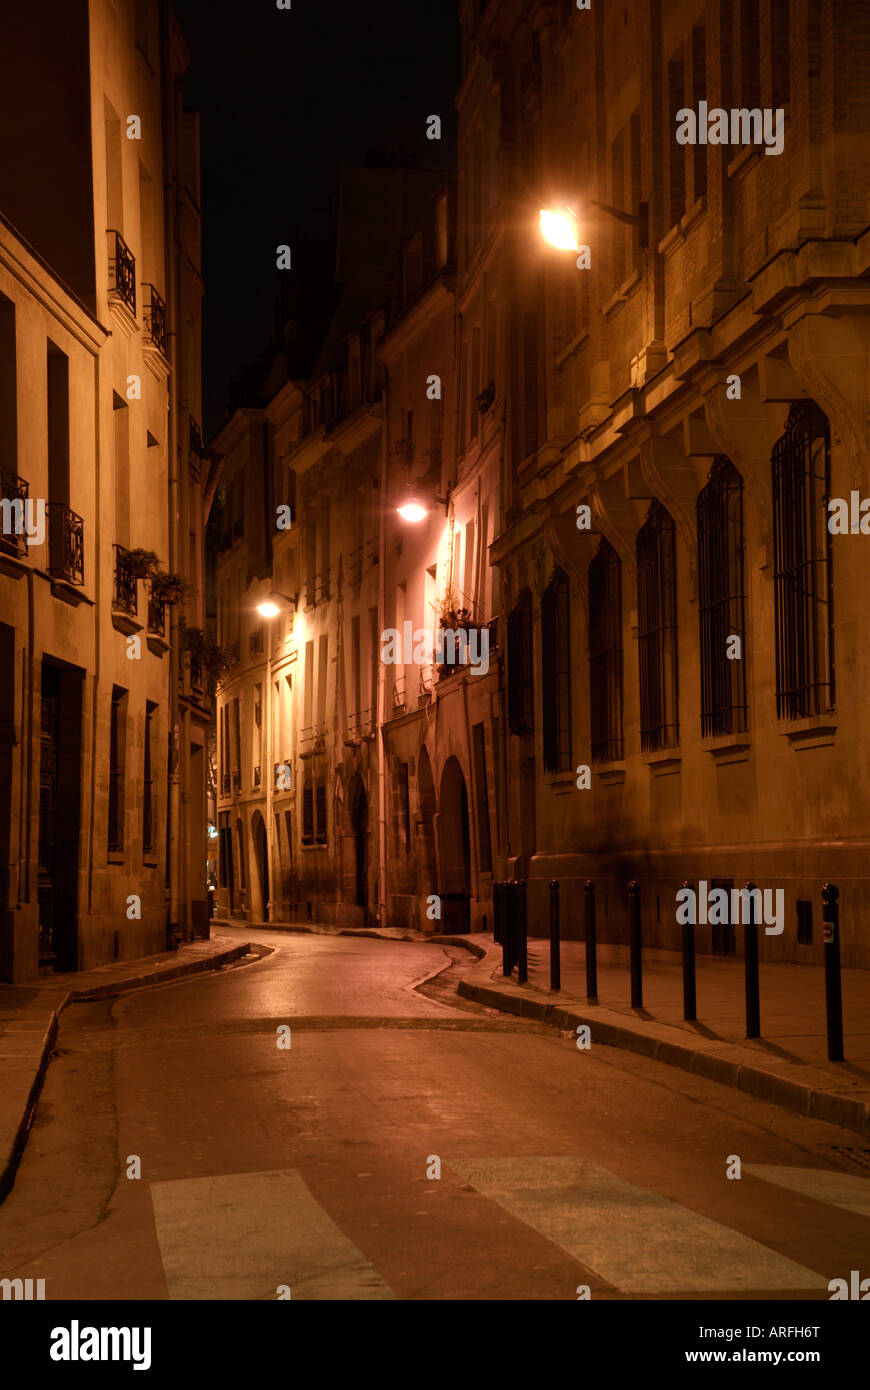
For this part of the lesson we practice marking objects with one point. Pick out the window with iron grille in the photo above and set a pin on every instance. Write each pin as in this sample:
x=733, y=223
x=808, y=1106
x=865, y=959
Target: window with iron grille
x=308, y=814
x=321, y=813
x=657, y=630
x=803, y=581
x=117, y=758
x=148, y=783
x=605, y=654
x=721, y=600
x=520, y=664
x=556, y=673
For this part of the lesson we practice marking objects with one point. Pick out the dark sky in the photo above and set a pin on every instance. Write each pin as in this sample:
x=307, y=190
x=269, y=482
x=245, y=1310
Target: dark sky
x=286, y=96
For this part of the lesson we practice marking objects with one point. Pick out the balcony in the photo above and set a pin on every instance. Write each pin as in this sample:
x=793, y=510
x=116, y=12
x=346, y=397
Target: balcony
x=225, y=784
x=122, y=272
x=237, y=782
x=125, y=597
x=398, y=697
x=312, y=740
x=13, y=491
x=66, y=543
x=154, y=316
x=156, y=617
x=360, y=726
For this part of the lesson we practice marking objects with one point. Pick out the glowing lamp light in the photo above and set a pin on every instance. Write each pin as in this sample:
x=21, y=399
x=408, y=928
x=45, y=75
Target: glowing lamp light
x=559, y=227
x=268, y=610
x=412, y=511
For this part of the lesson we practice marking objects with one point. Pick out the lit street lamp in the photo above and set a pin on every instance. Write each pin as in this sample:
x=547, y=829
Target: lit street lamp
x=560, y=225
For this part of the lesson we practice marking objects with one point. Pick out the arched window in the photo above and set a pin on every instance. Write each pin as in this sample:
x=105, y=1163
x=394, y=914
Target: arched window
x=803, y=588
x=605, y=654
x=520, y=666
x=657, y=630
x=556, y=673
x=721, y=600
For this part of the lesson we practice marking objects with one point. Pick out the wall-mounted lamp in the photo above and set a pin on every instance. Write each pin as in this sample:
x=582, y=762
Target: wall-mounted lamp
x=560, y=225
x=270, y=609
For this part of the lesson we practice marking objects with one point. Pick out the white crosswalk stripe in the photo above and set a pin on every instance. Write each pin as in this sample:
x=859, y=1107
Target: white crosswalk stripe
x=836, y=1189
x=633, y=1238
x=241, y=1235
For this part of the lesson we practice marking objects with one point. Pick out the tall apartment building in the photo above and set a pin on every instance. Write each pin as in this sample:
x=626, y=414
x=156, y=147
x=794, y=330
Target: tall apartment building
x=102, y=807
x=697, y=378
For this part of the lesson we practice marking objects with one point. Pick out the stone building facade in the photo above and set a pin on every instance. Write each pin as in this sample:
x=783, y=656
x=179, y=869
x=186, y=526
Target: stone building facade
x=100, y=370
x=626, y=480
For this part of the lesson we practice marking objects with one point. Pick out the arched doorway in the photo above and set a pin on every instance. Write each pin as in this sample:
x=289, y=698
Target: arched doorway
x=455, y=843
x=427, y=868
x=361, y=850
x=260, y=895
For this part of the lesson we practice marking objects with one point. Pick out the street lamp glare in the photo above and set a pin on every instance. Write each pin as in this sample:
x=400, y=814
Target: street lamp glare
x=559, y=227
x=268, y=610
x=412, y=511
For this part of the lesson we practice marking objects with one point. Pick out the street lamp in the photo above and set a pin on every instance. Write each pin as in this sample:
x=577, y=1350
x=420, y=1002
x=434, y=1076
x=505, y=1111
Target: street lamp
x=416, y=504
x=270, y=609
x=560, y=225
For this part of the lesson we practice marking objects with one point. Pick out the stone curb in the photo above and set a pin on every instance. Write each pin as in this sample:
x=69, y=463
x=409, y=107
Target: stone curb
x=806, y=1100
x=161, y=976
x=321, y=929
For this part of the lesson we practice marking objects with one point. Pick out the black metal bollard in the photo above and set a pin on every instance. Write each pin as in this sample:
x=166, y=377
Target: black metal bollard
x=690, y=1007
x=833, y=984
x=555, y=961
x=507, y=928
x=522, y=933
x=750, y=962
x=634, y=937
x=591, y=944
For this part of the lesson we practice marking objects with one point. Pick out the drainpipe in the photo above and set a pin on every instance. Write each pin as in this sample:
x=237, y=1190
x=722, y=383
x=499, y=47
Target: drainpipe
x=173, y=837
x=382, y=620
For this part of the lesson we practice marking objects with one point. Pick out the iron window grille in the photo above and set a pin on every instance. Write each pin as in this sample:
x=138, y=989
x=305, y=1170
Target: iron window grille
x=116, y=772
x=125, y=597
x=721, y=600
x=321, y=813
x=66, y=543
x=148, y=786
x=157, y=616
x=803, y=578
x=154, y=316
x=605, y=654
x=556, y=664
x=122, y=271
x=657, y=630
x=256, y=642
x=308, y=814
x=256, y=776
x=14, y=491
x=520, y=666
x=237, y=780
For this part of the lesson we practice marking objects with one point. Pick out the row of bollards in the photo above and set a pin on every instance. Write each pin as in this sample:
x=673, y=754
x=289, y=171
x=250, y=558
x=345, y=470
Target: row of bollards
x=510, y=931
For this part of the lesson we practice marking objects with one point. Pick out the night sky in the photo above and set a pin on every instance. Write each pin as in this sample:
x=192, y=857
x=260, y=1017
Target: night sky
x=286, y=97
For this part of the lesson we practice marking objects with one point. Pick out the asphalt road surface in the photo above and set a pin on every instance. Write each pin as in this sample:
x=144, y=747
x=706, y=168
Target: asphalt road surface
x=311, y=1169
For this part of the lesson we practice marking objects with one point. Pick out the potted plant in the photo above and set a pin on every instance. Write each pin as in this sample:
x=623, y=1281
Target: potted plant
x=170, y=588
x=205, y=655
x=141, y=564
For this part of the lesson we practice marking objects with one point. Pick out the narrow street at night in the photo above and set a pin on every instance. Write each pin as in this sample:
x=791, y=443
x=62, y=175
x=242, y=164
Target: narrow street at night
x=306, y=1166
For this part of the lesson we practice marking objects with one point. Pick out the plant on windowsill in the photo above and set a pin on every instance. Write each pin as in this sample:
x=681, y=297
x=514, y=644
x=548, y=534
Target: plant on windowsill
x=205, y=654
x=453, y=618
x=141, y=564
x=170, y=588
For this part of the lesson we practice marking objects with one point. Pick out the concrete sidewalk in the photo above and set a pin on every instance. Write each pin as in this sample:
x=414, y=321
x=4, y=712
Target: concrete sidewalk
x=30, y=1013
x=788, y=1065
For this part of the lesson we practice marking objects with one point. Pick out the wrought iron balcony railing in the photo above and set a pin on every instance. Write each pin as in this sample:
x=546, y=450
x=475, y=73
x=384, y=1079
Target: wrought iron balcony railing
x=225, y=784
x=237, y=781
x=13, y=506
x=125, y=598
x=156, y=616
x=122, y=270
x=154, y=315
x=66, y=543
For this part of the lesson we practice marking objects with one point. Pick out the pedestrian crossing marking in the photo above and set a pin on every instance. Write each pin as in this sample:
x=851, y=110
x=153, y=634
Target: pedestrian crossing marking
x=836, y=1189
x=242, y=1235
x=634, y=1239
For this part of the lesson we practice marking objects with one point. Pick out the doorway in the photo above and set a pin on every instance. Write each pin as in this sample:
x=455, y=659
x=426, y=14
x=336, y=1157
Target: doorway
x=60, y=760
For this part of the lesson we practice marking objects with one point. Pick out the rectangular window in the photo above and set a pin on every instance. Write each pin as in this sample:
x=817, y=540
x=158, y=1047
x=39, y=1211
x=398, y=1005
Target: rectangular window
x=721, y=600
x=58, y=425
x=148, y=782
x=405, y=803
x=8, y=390
x=780, y=52
x=322, y=676
x=676, y=153
x=605, y=655
x=117, y=768
x=699, y=92
x=121, y=423
x=308, y=814
x=556, y=673
x=484, y=844
x=309, y=686
x=321, y=813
